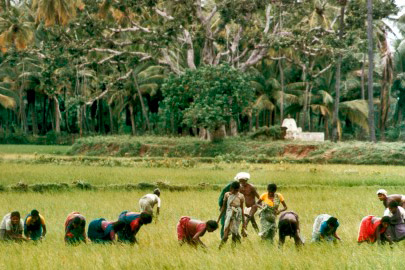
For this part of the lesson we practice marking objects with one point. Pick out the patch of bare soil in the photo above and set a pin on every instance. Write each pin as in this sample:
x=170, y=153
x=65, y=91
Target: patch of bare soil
x=298, y=151
x=144, y=149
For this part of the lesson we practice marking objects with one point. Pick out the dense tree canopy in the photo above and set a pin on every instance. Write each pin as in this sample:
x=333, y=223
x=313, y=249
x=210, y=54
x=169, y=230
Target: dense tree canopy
x=170, y=66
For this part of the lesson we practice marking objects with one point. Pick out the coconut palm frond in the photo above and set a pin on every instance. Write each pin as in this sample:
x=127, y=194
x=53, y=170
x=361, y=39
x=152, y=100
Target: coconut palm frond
x=295, y=86
x=150, y=88
x=7, y=102
x=257, y=86
x=321, y=109
x=263, y=102
x=356, y=111
x=327, y=99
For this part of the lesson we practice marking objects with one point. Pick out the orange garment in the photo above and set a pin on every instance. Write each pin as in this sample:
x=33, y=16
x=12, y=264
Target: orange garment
x=368, y=229
x=269, y=201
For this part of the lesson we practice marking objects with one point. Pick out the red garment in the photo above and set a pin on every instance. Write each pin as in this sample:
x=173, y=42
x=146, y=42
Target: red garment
x=186, y=232
x=368, y=229
x=135, y=224
x=70, y=217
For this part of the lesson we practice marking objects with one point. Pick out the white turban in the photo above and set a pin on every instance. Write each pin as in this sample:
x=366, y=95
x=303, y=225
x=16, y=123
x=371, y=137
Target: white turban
x=382, y=191
x=242, y=175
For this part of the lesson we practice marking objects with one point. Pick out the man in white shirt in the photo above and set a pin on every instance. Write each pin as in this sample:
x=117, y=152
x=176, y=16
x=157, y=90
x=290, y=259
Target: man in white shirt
x=391, y=210
x=11, y=227
x=147, y=202
x=396, y=229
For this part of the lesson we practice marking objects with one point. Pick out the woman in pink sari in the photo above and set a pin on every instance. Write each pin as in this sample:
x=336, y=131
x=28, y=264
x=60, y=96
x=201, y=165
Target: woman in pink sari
x=373, y=229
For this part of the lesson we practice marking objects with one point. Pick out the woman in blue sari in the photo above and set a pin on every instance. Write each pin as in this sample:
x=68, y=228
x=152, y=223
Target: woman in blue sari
x=103, y=231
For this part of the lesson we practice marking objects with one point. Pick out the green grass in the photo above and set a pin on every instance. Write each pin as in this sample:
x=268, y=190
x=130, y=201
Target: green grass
x=158, y=247
x=345, y=191
x=32, y=149
x=262, y=174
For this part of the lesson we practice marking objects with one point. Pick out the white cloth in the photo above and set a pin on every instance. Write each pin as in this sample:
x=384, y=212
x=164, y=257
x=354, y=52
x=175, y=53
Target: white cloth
x=152, y=199
x=6, y=225
x=316, y=229
x=382, y=191
x=387, y=212
x=242, y=175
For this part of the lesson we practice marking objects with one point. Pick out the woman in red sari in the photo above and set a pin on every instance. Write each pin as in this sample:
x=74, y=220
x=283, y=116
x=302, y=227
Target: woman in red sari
x=372, y=229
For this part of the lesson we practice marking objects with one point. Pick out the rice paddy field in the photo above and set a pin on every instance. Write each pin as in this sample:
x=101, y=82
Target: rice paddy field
x=344, y=191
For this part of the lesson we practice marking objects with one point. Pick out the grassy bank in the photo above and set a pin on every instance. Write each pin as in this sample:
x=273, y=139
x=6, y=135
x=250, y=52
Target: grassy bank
x=242, y=149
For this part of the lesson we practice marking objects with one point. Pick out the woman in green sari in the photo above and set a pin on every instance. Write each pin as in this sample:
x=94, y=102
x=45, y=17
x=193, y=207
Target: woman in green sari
x=270, y=211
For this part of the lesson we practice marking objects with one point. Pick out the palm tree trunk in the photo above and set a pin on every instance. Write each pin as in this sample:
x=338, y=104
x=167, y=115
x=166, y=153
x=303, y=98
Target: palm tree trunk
x=44, y=122
x=257, y=121
x=111, y=119
x=363, y=96
x=371, y=123
x=337, y=84
x=22, y=114
x=131, y=112
x=34, y=119
x=326, y=123
x=280, y=67
x=80, y=120
x=145, y=114
x=57, y=115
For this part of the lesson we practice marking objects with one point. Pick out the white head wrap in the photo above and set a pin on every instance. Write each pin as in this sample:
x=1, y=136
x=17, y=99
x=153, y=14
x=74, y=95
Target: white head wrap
x=242, y=175
x=382, y=191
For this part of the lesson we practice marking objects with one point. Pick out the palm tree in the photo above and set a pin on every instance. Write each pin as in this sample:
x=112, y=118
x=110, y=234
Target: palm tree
x=371, y=123
x=144, y=79
x=16, y=29
x=342, y=4
x=56, y=11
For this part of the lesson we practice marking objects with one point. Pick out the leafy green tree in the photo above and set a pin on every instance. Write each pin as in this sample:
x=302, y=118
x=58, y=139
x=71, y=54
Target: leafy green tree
x=207, y=97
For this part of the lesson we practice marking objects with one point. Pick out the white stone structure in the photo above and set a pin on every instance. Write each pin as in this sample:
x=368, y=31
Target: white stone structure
x=295, y=133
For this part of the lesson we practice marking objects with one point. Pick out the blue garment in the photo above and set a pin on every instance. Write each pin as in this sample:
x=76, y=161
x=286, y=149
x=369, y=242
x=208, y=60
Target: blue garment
x=96, y=233
x=126, y=235
x=226, y=189
x=35, y=230
x=326, y=231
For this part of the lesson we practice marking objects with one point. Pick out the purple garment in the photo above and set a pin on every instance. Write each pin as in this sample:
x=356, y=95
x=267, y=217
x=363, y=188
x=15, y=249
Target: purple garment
x=396, y=230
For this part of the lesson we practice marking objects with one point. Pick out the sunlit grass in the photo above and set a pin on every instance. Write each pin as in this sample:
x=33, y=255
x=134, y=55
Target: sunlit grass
x=158, y=248
x=347, y=192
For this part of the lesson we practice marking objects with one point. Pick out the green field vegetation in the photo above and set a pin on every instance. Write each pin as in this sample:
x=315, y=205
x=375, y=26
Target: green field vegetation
x=158, y=247
x=345, y=191
x=242, y=149
x=287, y=175
x=33, y=149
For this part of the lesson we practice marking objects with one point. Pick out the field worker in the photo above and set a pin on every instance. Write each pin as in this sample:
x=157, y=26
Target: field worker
x=372, y=229
x=34, y=226
x=75, y=225
x=269, y=212
x=103, y=231
x=325, y=227
x=147, y=202
x=250, y=193
x=233, y=210
x=386, y=199
x=396, y=230
x=289, y=225
x=133, y=222
x=11, y=227
x=241, y=177
x=191, y=230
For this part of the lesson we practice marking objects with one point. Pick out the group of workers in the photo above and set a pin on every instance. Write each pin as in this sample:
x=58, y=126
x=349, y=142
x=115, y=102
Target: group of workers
x=239, y=201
